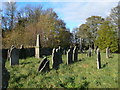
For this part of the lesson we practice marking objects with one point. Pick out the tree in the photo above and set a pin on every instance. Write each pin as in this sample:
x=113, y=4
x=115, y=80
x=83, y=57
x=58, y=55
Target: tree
x=107, y=37
x=114, y=18
x=84, y=35
x=8, y=18
x=93, y=23
x=32, y=21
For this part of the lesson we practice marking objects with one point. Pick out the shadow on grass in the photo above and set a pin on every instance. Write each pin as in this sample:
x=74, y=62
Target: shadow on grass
x=83, y=59
x=111, y=57
x=85, y=85
x=104, y=65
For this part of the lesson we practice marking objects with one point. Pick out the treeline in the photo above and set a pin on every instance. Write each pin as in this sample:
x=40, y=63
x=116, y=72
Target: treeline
x=21, y=27
x=100, y=32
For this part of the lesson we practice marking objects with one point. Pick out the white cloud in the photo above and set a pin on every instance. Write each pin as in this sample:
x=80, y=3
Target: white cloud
x=75, y=12
x=64, y=0
x=78, y=12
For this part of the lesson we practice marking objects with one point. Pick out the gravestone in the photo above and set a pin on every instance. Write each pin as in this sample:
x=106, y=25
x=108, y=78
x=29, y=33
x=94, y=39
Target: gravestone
x=5, y=75
x=89, y=54
x=14, y=56
x=55, y=59
x=8, y=54
x=81, y=45
x=38, y=46
x=69, y=56
x=59, y=53
x=44, y=65
x=98, y=59
x=22, y=54
x=107, y=52
x=64, y=52
x=95, y=51
x=9, y=51
x=75, y=54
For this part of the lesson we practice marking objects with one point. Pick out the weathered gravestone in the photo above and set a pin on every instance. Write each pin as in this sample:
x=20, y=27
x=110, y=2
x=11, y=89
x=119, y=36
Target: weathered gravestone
x=8, y=52
x=69, y=56
x=107, y=52
x=14, y=56
x=5, y=75
x=64, y=52
x=44, y=65
x=81, y=45
x=22, y=54
x=59, y=54
x=38, y=46
x=75, y=54
x=98, y=59
x=89, y=54
x=55, y=62
x=94, y=51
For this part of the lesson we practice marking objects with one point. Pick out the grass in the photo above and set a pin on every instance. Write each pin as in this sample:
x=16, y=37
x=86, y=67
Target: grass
x=81, y=74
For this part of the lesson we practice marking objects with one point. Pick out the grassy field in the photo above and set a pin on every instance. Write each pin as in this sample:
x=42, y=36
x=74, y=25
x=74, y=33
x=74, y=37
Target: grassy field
x=81, y=74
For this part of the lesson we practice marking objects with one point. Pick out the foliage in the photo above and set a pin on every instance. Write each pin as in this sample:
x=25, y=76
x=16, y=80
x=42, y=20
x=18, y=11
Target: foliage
x=32, y=21
x=88, y=31
x=107, y=37
x=81, y=74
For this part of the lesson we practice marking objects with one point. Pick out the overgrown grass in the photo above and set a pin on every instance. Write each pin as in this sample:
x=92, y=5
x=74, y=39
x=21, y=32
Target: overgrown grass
x=81, y=74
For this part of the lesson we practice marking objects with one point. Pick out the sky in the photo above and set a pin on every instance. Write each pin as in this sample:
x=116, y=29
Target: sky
x=74, y=12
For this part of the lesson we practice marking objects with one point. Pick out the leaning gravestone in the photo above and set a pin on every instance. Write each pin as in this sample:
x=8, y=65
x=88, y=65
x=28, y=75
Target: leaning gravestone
x=69, y=56
x=14, y=56
x=98, y=59
x=44, y=65
x=55, y=60
x=107, y=52
x=75, y=54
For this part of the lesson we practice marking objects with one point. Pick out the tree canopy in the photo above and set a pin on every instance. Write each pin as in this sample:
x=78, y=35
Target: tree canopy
x=31, y=21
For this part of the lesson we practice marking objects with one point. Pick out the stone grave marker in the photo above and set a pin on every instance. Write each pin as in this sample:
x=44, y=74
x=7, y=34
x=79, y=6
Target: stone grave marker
x=59, y=54
x=69, y=56
x=14, y=56
x=55, y=60
x=98, y=59
x=22, y=52
x=5, y=75
x=107, y=52
x=8, y=52
x=75, y=54
x=38, y=46
x=64, y=52
x=89, y=54
x=44, y=65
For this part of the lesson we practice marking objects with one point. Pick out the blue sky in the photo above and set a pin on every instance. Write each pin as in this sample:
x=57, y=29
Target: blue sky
x=74, y=13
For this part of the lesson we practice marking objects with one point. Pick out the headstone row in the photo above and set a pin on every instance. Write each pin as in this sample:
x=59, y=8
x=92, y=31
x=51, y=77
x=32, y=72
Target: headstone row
x=72, y=55
x=56, y=57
